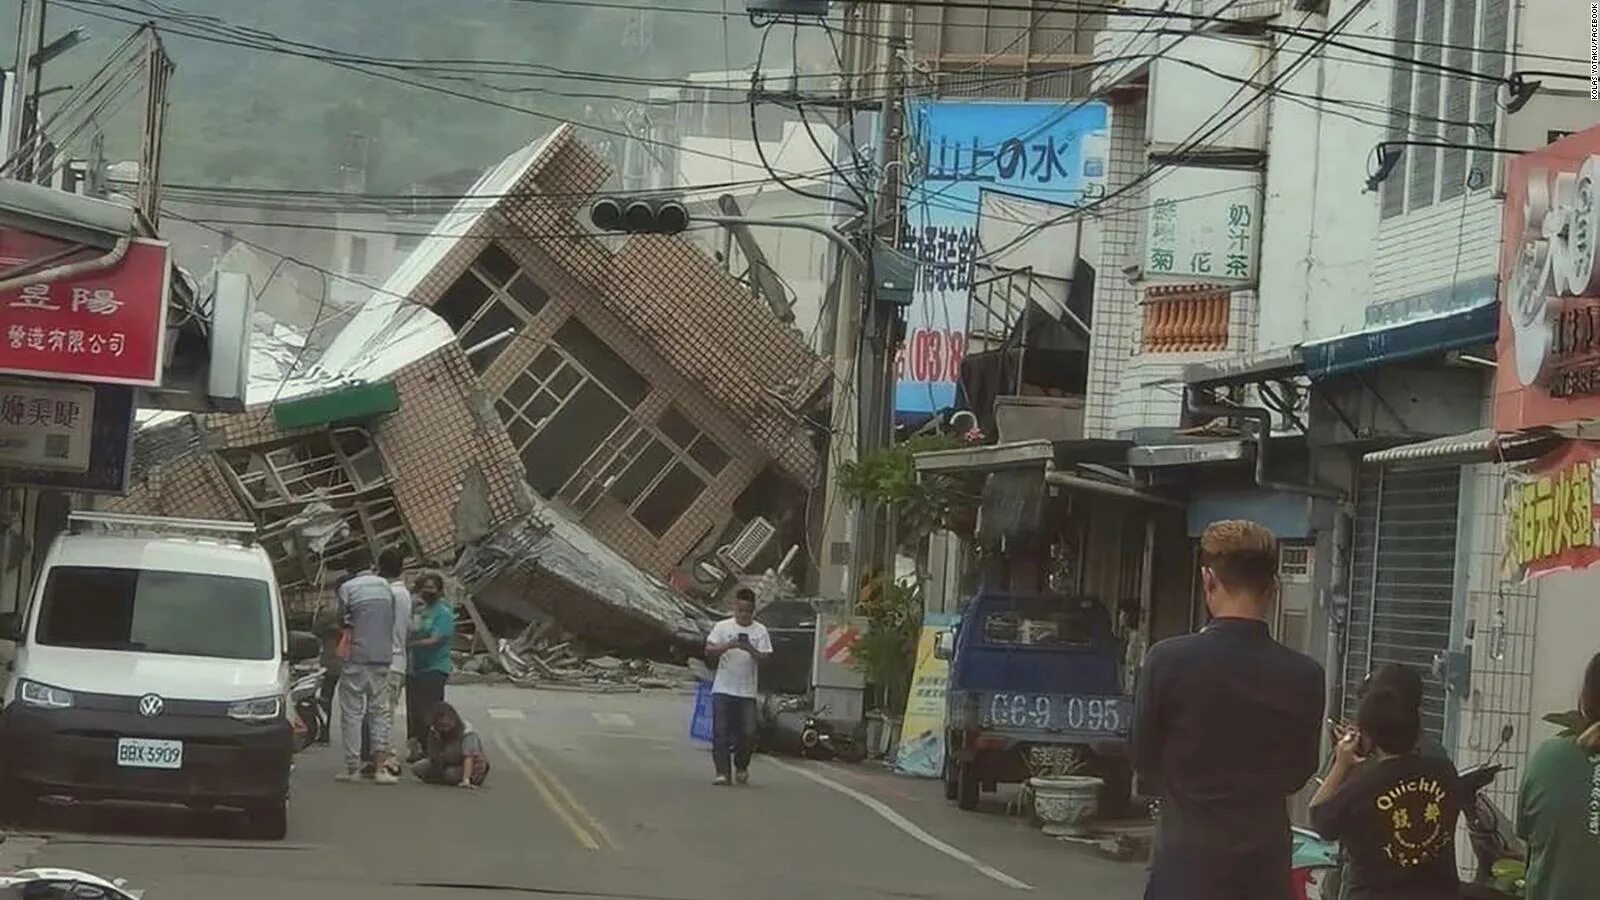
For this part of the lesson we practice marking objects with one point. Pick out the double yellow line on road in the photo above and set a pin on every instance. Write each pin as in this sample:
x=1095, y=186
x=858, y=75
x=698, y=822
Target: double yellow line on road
x=589, y=832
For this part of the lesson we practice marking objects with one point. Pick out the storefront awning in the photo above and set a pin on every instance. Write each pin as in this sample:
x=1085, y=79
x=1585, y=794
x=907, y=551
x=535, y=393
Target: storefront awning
x=1246, y=368
x=1021, y=454
x=1481, y=445
x=1429, y=336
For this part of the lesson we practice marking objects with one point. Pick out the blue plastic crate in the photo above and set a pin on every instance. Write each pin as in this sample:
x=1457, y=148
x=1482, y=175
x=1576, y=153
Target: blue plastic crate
x=700, y=723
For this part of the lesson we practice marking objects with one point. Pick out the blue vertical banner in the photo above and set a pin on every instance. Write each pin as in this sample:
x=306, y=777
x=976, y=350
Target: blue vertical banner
x=1052, y=152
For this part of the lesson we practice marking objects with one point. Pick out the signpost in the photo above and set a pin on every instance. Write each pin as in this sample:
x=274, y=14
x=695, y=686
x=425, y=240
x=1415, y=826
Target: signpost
x=921, y=750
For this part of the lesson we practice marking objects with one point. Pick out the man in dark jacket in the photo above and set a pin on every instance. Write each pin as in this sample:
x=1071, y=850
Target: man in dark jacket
x=1228, y=725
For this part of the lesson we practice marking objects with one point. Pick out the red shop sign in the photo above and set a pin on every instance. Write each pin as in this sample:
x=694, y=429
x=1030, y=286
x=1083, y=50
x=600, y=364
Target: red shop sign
x=105, y=326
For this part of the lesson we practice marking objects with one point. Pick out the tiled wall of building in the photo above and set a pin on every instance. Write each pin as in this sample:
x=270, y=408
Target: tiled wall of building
x=1116, y=302
x=704, y=346
x=1437, y=246
x=1151, y=394
x=1504, y=620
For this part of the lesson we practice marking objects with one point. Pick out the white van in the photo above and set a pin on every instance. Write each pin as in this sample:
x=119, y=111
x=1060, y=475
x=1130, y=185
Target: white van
x=152, y=664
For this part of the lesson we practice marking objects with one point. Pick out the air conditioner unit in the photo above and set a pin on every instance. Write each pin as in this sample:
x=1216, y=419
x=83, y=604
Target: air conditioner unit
x=1316, y=6
x=752, y=539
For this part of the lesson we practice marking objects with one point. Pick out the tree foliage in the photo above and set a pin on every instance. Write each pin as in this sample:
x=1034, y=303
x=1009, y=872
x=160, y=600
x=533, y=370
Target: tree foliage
x=920, y=505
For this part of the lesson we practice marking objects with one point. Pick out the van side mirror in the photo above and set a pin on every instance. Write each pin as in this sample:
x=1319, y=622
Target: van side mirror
x=10, y=626
x=944, y=644
x=303, y=645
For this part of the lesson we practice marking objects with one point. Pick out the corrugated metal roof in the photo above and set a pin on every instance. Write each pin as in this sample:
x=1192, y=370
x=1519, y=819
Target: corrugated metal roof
x=1473, y=446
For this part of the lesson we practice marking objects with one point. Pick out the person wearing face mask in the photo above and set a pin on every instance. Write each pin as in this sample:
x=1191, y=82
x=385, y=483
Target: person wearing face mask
x=1227, y=725
x=430, y=656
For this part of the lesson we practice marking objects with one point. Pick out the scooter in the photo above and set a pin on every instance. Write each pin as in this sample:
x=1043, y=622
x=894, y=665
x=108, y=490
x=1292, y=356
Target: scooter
x=305, y=698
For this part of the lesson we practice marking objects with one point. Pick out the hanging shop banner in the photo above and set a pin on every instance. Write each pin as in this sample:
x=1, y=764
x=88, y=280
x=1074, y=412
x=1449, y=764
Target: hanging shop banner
x=1552, y=521
x=109, y=450
x=105, y=326
x=921, y=750
x=1549, y=347
x=972, y=156
x=45, y=425
x=1204, y=224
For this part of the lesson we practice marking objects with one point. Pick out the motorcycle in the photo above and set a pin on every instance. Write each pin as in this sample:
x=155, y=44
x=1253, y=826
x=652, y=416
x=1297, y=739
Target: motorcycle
x=305, y=699
x=1500, y=857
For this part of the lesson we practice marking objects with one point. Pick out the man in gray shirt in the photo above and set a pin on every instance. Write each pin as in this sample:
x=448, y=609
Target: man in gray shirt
x=367, y=608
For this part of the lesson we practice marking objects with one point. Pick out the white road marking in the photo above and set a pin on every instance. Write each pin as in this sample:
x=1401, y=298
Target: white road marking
x=613, y=720
x=905, y=825
x=506, y=714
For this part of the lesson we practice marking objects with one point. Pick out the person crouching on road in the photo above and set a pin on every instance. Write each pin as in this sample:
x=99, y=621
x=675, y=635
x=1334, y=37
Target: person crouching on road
x=453, y=752
x=430, y=656
x=1393, y=808
x=737, y=646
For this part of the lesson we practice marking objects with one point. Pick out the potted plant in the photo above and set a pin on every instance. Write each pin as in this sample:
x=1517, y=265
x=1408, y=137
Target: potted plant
x=1065, y=799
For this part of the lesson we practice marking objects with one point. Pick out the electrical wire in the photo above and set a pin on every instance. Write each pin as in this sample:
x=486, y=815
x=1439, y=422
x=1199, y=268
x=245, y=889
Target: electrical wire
x=1185, y=151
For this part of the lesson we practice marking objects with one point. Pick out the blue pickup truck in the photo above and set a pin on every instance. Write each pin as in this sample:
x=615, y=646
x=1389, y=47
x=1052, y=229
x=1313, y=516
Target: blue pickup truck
x=1031, y=677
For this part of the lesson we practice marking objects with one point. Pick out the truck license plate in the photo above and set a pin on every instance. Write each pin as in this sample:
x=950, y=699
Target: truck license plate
x=144, y=753
x=1065, y=713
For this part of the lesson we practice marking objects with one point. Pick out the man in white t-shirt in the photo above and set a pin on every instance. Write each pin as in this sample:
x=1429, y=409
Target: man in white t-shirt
x=737, y=646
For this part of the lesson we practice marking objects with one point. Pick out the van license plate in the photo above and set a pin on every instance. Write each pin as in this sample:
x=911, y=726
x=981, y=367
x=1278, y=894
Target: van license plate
x=143, y=753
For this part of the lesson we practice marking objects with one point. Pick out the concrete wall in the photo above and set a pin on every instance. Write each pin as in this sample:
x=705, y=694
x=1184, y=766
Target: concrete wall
x=1317, y=245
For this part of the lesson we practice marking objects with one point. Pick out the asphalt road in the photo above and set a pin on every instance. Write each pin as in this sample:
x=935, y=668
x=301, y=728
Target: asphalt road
x=599, y=796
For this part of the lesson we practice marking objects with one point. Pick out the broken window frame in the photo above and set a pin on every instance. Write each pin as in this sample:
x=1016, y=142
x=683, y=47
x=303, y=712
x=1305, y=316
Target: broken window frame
x=501, y=294
x=365, y=503
x=598, y=473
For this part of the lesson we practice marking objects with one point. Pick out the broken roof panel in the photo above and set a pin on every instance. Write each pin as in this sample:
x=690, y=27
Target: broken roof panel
x=618, y=605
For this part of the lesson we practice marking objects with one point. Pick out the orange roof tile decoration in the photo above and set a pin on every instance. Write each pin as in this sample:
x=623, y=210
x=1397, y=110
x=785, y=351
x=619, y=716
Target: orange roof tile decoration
x=1186, y=318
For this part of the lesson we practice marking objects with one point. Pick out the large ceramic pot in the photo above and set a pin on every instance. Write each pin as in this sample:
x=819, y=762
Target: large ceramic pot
x=1065, y=804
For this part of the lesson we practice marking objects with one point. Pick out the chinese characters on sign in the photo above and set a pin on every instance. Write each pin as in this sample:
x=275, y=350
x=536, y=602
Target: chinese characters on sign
x=45, y=426
x=970, y=151
x=104, y=326
x=1551, y=523
x=1204, y=223
x=922, y=749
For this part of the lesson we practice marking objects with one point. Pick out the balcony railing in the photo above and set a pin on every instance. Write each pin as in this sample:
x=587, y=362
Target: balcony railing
x=1186, y=319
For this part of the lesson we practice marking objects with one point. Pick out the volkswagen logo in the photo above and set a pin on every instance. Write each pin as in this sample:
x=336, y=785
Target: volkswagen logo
x=150, y=706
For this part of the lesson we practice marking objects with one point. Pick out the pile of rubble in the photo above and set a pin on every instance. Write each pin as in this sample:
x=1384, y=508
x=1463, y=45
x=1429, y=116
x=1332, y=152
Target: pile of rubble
x=543, y=656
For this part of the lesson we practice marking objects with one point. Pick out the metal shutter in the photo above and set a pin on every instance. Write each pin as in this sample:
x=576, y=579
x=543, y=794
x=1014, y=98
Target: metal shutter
x=1392, y=194
x=1492, y=61
x=1458, y=100
x=1402, y=579
x=1425, y=160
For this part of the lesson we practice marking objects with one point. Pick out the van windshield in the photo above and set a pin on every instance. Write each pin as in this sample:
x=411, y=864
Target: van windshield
x=155, y=611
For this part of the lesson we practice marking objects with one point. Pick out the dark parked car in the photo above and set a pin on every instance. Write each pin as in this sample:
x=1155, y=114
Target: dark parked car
x=793, y=627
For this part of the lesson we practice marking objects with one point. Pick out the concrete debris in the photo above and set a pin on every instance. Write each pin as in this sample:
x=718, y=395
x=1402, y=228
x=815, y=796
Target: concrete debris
x=543, y=656
x=549, y=568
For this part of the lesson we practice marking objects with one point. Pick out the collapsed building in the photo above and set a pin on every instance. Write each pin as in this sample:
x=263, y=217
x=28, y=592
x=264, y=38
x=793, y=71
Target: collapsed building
x=562, y=422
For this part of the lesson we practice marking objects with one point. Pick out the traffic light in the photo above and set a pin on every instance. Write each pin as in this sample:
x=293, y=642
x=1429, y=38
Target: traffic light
x=639, y=216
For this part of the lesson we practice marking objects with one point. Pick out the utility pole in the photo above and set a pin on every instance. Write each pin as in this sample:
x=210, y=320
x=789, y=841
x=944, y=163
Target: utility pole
x=881, y=340
x=30, y=32
x=841, y=514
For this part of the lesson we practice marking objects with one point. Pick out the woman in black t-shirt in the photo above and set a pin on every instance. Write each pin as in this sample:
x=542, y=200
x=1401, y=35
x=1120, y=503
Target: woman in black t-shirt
x=1396, y=816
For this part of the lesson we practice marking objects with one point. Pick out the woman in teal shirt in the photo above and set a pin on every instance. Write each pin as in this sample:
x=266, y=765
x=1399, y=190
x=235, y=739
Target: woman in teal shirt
x=1559, y=811
x=430, y=656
